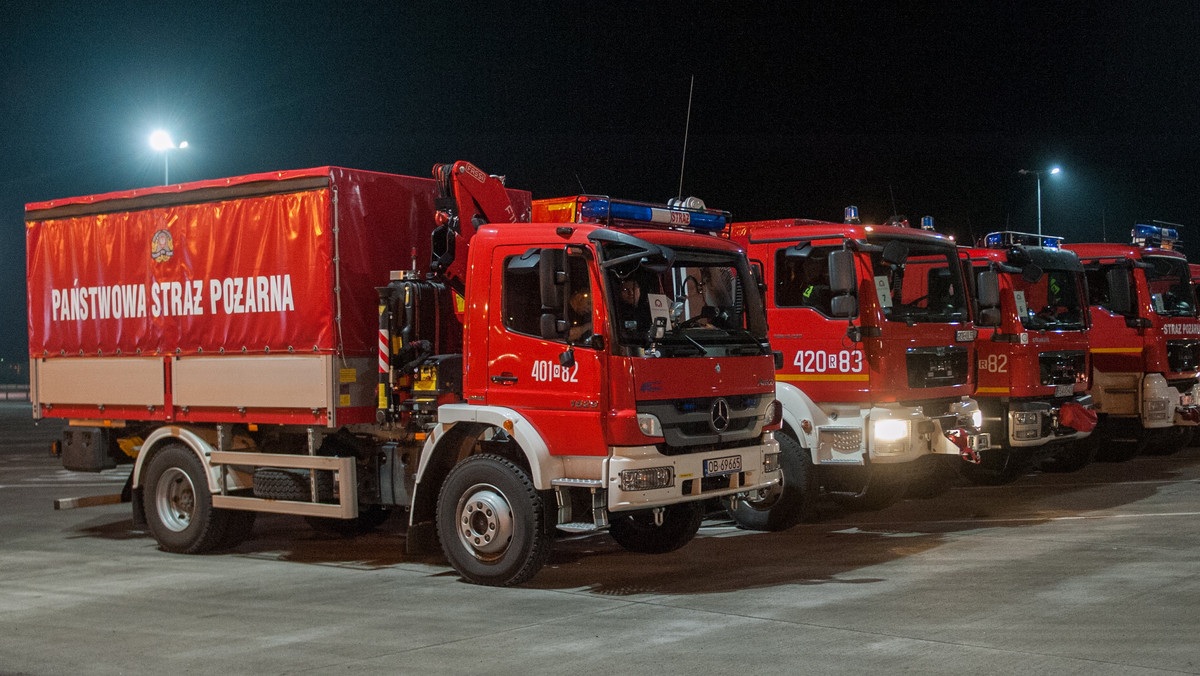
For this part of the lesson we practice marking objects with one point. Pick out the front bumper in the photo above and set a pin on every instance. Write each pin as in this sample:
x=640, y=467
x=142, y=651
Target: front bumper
x=894, y=434
x=1036, y=423
x=1165, y=406
x=687, y=471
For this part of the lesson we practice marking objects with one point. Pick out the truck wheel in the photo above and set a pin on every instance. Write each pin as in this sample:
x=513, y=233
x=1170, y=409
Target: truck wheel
x=239, y=528
x=369, y=518
x=883, y=488
x=935, y=475
x=492, y=521
x=636, y=531
x=1165, y=441
x=179, y=511
x=787, y=503
x=1070, y=457
x=999, y=466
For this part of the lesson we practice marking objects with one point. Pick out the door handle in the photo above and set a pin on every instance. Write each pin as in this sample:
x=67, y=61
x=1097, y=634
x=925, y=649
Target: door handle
x=505, y=378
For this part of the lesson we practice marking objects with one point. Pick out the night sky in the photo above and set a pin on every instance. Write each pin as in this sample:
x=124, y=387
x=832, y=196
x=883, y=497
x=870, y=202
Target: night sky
x=799, y=109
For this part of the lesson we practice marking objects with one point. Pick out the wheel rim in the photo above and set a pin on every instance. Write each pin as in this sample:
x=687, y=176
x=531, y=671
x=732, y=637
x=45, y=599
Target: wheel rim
x=175, y=499
x=485, y=522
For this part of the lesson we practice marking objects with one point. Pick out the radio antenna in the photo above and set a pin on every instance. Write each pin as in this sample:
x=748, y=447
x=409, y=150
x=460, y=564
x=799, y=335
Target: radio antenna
x=687, y=125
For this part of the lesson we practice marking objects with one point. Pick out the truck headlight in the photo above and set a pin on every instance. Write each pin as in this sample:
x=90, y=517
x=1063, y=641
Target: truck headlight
x=649, y=425
x=647, y=479
x=1024, y=418
x=889, y=430
x=1157, y=409
x=977, y=419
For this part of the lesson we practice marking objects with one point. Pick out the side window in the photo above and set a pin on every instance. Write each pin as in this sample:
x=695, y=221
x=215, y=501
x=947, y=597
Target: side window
x=1097, y=282
x=803, y=281
x=563, y=310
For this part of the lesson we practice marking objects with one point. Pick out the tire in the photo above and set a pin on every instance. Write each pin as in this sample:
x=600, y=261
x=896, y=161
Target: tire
x=885, y=486
x=636, y=532
x=999, y=466
x=369, y=518
x=1117, y=451
x=934, y=477
x=178, y=504
x=1165, y=441
x=1070, y=457
x=785, y=504
x=239, y=528
x=290, y=484
x=493, y=523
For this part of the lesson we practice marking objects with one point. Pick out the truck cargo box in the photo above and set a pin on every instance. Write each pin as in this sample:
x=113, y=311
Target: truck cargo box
x=248, y=299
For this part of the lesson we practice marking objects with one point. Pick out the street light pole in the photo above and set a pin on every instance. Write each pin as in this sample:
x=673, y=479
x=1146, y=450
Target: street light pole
x=161, y=141
x=1037, y=174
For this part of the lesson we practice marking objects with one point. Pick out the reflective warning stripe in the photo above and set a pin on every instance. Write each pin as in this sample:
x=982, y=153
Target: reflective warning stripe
x=810, y=377
x=383, y=351
x=992, y=390
x=1112, y=350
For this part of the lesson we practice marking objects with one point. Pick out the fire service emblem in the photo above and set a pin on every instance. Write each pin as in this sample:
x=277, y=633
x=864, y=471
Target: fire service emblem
x=162, y=247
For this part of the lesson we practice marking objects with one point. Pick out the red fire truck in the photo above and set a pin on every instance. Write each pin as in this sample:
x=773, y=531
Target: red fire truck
x=1145, y=341
x=1032, y=356
x=269, y=343
x=878, y=362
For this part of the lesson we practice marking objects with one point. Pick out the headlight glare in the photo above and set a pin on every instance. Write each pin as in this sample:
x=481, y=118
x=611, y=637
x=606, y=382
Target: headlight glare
x=889, y=430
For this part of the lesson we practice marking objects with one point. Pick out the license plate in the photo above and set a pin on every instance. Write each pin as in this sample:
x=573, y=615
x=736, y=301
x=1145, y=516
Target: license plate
x=1063, y=390
x=722, y=466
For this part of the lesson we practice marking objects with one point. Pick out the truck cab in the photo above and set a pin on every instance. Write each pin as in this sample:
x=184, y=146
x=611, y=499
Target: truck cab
x=1145, y=341
x=878, y=347
x=1032, y=355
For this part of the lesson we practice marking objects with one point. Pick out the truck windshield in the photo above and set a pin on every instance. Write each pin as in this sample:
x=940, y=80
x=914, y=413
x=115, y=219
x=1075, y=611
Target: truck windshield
x=1051, y=303
x=917, y=282
x=1168, y=279
x=704, y=303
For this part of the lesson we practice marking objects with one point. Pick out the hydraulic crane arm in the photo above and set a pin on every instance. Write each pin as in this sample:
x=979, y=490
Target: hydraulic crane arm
x=468, y=198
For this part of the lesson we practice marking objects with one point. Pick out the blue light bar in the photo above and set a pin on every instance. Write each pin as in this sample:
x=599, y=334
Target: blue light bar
x=851, y=216
x=927, y=222
x=1144, y=234
x=600, y=209
x=1007, y=238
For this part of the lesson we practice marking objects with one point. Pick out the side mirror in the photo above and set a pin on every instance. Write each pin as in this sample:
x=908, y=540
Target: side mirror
x=843, y=306
x=988, y=290
x=1031, y=273
x=894, y=253
x=842, y=279
x=989, y=317
x=1120, y=300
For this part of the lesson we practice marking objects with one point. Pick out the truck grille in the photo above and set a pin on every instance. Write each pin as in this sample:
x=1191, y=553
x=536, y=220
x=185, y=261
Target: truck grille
x=1062, y=368
x=1183, y=355
x=694, y=424
x=936, y=366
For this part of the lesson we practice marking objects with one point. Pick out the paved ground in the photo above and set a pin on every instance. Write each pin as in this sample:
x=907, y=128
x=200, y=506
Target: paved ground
x=1088, y=573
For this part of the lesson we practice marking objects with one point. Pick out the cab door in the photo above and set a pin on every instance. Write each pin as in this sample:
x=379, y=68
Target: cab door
x=543, y=360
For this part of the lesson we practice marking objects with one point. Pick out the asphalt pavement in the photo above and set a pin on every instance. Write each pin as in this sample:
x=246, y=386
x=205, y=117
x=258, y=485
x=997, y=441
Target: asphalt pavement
x=1094, y=572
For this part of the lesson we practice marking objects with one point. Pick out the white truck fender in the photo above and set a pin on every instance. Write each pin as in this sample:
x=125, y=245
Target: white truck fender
x=798, y=406
x=202, y=441
x=543, y=467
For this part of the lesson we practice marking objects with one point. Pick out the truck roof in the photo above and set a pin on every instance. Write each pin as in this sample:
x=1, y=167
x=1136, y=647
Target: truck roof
x=1114, y=250
x=189, y=193
x=794, y=228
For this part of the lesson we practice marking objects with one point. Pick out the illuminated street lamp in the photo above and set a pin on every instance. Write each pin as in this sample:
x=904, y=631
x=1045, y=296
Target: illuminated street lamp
x=161, y=141
x=1037, y=173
